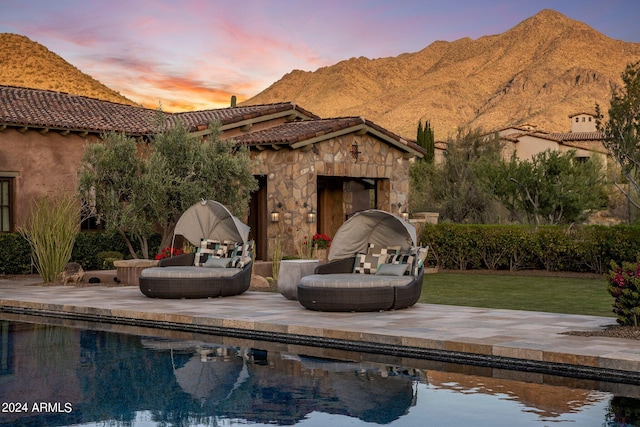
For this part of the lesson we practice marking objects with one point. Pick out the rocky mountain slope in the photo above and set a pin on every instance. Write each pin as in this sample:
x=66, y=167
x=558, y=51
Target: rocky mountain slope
x=26, y=63
x=539, y=72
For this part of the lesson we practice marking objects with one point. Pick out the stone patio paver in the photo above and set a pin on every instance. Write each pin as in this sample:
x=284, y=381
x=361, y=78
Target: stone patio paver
x=524, y=335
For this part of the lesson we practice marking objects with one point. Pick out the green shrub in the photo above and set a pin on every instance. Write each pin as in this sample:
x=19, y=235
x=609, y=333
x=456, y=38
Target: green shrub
x=453, y=246
x=89, y=245
x=591, y=249
x=15, y=254
x=622, y=243
x=523, y=244
x=517, y=247
x=555, y=248
x=108, y=257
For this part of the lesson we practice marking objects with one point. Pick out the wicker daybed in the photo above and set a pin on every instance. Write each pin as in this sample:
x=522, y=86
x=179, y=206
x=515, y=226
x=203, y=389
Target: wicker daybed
x=220, y=267
x=177, y=277
x=373, y=265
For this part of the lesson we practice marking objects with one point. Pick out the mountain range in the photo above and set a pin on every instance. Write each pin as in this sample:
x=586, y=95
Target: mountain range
x=538, y=73
x=26, y=63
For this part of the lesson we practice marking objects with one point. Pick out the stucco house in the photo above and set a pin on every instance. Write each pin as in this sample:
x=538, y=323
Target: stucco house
x=527, y=141
x=313, y=174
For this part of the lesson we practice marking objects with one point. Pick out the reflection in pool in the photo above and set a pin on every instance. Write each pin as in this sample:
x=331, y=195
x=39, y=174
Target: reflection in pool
x=58, y=375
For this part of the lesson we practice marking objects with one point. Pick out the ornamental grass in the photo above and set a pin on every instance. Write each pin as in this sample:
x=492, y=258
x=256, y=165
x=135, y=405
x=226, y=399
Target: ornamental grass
x=51, y=230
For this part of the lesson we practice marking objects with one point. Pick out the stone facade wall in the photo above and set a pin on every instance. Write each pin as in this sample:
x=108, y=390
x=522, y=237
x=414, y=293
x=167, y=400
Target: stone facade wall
x=292, y=177
x=48, y=163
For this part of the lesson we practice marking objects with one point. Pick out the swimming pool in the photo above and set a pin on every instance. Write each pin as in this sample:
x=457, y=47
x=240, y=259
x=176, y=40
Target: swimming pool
x=56, y=372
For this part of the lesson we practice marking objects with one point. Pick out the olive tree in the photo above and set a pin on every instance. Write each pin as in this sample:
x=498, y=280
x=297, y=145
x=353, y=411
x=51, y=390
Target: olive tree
x=138, y=189
x=551, y=188
x=112, y=183
x=454, y=184
x=621, y=131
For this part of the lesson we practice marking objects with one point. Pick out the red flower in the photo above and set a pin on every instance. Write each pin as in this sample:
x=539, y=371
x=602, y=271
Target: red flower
x=321, y=240
x=169, y=252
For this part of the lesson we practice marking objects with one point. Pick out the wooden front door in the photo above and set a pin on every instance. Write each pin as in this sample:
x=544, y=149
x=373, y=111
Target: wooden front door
x=331, y=213
x=258, y=217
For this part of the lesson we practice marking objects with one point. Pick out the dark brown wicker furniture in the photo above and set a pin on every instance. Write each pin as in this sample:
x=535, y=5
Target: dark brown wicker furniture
x=219, y=282
x=345, y=298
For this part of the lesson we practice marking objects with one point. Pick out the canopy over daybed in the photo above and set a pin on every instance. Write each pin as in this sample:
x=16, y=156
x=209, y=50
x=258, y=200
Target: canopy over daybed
x=371, y=226
x=211, y=220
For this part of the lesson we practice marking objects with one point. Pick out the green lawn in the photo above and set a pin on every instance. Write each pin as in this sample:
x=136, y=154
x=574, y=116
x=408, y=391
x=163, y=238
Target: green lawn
x=518, y=292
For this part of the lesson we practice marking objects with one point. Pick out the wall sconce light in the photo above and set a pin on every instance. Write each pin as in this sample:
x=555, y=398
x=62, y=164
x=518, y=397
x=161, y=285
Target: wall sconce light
x=275, y=215
x=311, y=216
x=403, y=213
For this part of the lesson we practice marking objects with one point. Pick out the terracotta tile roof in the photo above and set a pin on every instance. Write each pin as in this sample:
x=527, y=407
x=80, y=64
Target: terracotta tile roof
x=561, y=138
x=293, y=132
x=578, y=136
x=193, y=119
x=589, y=113
x=296, y=133
x=59, y=110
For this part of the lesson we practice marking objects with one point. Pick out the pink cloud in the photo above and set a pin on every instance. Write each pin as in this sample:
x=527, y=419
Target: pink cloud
x=198, y=50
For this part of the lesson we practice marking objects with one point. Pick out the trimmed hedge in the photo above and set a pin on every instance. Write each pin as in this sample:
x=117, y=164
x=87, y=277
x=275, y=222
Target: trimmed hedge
x=15, y=253
x=513, y=247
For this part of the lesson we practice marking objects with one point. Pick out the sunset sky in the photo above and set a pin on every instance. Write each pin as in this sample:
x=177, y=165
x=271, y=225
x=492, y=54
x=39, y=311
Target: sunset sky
x=195, y=54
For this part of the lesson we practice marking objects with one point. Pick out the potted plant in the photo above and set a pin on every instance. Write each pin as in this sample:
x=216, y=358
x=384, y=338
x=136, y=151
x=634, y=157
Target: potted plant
x=321, y=243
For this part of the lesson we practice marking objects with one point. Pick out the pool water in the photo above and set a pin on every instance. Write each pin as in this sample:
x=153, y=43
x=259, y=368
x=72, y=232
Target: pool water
x=62, y=373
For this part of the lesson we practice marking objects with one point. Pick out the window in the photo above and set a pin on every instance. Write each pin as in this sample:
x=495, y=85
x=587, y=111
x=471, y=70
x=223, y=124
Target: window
x=580, y=160
x=6, y=202
x=89, y=219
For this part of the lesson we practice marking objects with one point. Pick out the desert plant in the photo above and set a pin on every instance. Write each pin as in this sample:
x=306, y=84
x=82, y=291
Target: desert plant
x=305, y=249
x=277, y=257
x=51, y=231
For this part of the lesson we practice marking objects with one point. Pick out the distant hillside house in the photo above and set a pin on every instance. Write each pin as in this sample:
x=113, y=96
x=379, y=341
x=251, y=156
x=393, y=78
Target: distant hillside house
x=314, y=172
x=526, y=141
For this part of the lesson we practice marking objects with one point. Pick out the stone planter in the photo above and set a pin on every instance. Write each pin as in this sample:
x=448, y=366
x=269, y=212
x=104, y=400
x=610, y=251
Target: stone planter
x=128, y=270
x=321, y=254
